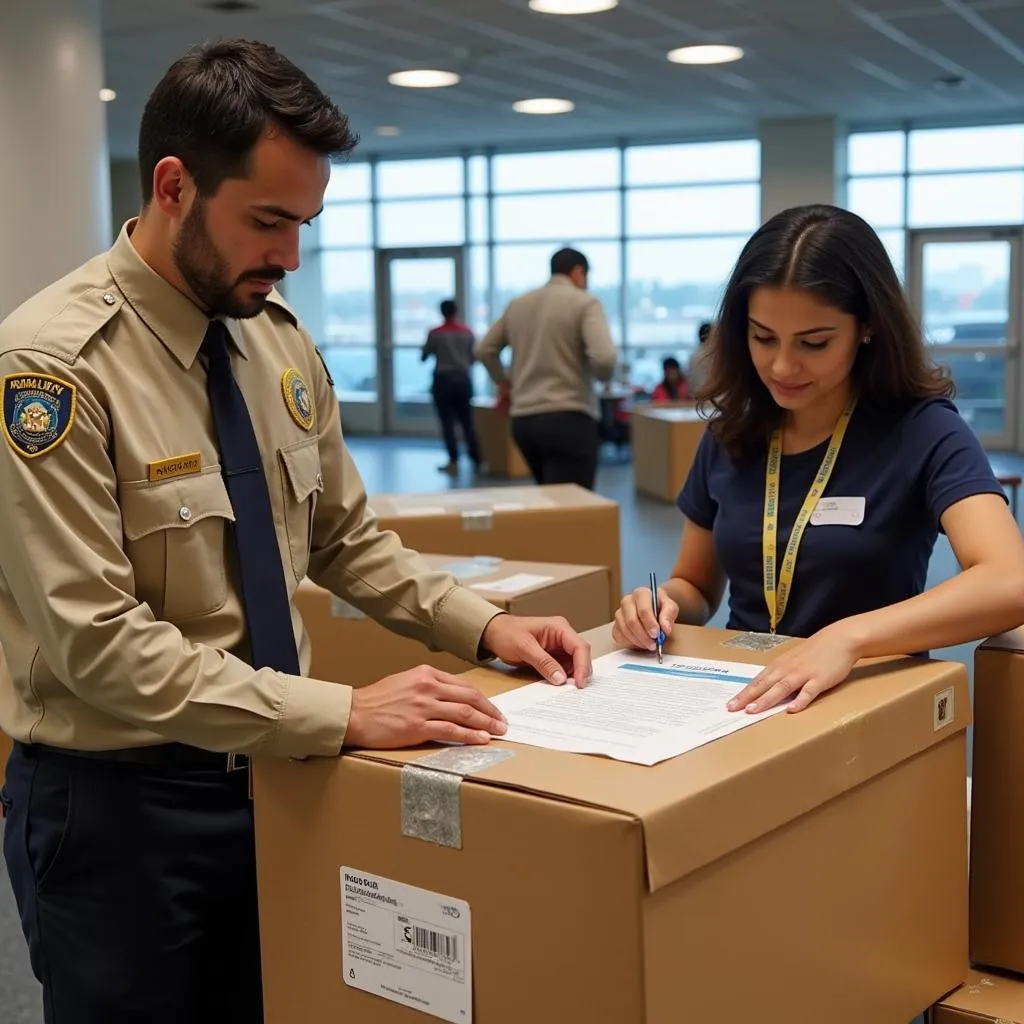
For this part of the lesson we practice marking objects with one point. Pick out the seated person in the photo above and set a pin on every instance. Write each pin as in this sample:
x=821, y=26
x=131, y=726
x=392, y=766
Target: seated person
x=673, y=386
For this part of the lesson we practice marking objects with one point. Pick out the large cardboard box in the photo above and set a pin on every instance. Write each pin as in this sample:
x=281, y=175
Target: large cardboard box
x=350, y=648
x=997, y=804
x=812, y=867
x=982, y=999
x=494, y=435
x=665, y=440
x=557, y=523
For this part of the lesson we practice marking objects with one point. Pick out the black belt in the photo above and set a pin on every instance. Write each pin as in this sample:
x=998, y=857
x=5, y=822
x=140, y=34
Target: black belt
x=168, y=755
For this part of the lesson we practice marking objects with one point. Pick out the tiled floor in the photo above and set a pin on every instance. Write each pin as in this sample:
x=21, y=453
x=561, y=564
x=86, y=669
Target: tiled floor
x=650, y=535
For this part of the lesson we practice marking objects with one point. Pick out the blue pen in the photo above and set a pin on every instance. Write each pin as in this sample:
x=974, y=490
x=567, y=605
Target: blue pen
x=654, y=597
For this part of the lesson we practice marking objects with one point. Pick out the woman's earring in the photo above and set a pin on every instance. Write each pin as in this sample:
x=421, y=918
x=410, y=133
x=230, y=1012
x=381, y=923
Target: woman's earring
x=866, y=339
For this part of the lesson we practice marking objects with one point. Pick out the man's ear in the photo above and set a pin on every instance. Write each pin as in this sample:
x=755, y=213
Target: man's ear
x=173, y=187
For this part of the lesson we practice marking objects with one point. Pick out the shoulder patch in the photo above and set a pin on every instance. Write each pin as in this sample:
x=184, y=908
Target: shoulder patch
x=39, y=411
x=297, y=398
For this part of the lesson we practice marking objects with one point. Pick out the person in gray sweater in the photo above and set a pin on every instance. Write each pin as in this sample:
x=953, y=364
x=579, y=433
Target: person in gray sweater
x=560, y=346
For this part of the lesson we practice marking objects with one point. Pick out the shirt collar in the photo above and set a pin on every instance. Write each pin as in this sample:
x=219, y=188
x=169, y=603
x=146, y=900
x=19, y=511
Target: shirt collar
x=174, y=318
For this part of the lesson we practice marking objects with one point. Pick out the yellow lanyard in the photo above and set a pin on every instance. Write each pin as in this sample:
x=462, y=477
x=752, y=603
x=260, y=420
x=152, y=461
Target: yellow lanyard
x=777, y=586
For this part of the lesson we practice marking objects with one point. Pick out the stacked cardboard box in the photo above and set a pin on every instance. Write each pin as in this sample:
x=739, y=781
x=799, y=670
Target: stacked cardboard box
x=561, y=523
x=665, y=440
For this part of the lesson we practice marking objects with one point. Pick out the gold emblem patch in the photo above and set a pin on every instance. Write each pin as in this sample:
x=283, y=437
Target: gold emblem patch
x=298, y=398
x=38, y=410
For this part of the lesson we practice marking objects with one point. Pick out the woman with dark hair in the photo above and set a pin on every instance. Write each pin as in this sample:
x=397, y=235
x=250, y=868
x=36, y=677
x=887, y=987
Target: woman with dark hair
x=673, y=386
x=833, y=458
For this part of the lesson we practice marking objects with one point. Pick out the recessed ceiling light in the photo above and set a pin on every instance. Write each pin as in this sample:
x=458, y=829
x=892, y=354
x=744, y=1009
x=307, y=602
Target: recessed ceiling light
x=423, y=78
x=388, y=129
x=705, y=54
x=543, y=105
x=572, y=6
x=108, y=95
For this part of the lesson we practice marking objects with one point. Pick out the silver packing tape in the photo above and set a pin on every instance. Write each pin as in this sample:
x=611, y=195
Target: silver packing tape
x=431, y=809
x=478, y=520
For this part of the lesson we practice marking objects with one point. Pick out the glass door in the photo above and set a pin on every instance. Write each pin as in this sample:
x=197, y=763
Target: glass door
x=411, y=285
x=966, y=288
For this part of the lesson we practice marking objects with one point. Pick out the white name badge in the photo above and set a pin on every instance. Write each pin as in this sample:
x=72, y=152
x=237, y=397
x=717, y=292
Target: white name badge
x=838, y=512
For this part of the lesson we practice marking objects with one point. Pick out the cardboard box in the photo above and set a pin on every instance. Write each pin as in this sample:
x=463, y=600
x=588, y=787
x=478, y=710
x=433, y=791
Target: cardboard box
x=812, y=867
x=559, y=523
x=665, y=440
x=350, y=648
x=982, y=999
x=494, y=435
x=997, y=804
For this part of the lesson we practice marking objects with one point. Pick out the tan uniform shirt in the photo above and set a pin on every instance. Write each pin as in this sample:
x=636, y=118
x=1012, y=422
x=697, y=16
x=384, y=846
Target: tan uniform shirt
x=560, y=345
x=121, y=621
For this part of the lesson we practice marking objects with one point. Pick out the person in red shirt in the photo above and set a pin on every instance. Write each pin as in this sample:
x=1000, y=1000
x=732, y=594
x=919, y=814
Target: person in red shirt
x=673, y=387
x=452, y=345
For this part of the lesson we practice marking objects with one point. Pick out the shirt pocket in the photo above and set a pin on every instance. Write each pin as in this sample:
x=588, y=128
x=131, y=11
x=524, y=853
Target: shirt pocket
x=175, y=537
x=302, y=482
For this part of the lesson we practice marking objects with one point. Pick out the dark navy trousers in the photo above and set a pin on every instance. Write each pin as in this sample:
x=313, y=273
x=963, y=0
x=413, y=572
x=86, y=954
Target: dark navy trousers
x=136, y=886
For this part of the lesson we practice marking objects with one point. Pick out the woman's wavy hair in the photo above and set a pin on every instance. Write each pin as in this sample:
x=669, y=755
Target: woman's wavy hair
x=837, y=257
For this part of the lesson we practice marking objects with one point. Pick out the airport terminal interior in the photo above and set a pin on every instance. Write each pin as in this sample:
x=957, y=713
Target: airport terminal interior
x=655, y=137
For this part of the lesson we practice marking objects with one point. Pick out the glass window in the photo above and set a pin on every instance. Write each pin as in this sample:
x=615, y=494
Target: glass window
x=709, y=209
x=980, y=387
x=421, y=222
x=347, y=224
x=878, y=200
x=876, y=153
x=673, y=286
x=479, y=314
x=348, y=286
x=353, y=368
x=694, y=162
x=520, y=268
x=548, y=172
x=895, y=243
x=478, y=225
x=557, y=217
x=478, y=175
x=348, y=182
x=398, y=179
x=952, y=149
x=946, y=200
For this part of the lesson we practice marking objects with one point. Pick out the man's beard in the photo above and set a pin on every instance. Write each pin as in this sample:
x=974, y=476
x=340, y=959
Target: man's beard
x=206, y=272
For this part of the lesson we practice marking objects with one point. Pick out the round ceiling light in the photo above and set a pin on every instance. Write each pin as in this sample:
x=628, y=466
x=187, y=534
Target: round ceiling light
x=388, y=130
x=572, y=6
x=108, y=95
x=713, y=54
x=423, y=78
x=544, y=105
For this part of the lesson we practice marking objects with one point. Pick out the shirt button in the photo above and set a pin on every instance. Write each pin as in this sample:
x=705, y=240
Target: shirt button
x=109, y=299
x=184, y=513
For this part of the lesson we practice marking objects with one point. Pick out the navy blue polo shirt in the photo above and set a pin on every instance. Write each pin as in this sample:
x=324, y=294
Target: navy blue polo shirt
x=909, y=464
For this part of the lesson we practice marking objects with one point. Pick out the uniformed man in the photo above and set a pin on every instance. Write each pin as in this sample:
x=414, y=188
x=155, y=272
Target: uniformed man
x=173, y=466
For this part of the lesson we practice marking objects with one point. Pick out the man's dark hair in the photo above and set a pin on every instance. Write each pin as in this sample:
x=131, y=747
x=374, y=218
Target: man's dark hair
x=704, y=332
x=565, y=261
x=213, y=103
x=449, y=309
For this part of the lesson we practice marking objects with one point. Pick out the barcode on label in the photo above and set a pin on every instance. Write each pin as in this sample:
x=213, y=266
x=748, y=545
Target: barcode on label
x=437, y=944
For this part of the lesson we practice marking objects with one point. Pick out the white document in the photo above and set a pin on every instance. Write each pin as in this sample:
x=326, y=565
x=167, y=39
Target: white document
x=406, y=944
x=838, y=512
x=633, y=709
x=513, y=584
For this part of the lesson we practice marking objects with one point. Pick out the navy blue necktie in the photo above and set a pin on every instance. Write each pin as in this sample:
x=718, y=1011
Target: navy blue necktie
x=264, y=592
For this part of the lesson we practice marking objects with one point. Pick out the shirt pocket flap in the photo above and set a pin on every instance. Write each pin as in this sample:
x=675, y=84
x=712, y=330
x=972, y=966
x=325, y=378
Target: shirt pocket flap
x=302, y=468
x=174, y=504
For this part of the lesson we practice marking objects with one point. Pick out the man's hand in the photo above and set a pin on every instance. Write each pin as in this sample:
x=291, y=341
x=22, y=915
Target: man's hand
x=419, y=706
x=550, y=645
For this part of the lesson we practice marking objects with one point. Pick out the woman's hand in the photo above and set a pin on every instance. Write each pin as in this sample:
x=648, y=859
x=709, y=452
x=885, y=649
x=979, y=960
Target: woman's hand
x=635, y=623
x=809, y=669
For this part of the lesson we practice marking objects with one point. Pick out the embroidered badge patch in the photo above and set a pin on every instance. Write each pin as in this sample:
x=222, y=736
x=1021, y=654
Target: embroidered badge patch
x=39, y=411
x=297, y=398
